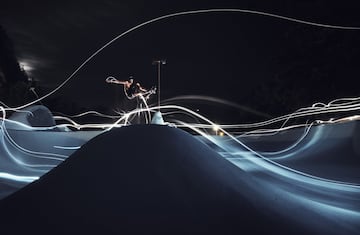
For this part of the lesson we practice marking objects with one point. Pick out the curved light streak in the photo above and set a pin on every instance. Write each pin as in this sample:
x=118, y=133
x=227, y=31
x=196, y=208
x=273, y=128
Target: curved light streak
x=193, y=12
x=18, y=178
x=322, y=196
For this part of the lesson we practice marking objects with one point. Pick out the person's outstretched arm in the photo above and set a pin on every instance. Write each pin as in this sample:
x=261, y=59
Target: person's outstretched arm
x=114, y=80
x=120, y=82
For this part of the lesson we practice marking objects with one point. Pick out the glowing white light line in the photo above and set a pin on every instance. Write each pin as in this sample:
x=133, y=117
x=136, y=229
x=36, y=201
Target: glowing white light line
x=329, y=108
x=146, y=106
x=89, y=113
x=273, y=131
x=27, y=127
x=67, y=147
x=261, y=161
x=293, y=174
x=298, y=114
x=17, y=123
x=280, y=169
x=19, y=162
x=285, y=117
x=6, y=136
x=75, y=124
x=181, y=14
x=18, y=178
x=209, y=137
x=126, y=116
x=292, y=146
x=324, y=206
x=255, y=160
x=257, y=132
x=57, y=157
x=217, y=100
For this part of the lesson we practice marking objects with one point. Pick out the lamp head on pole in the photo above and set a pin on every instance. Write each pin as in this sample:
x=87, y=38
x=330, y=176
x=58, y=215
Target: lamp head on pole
x=158, y=62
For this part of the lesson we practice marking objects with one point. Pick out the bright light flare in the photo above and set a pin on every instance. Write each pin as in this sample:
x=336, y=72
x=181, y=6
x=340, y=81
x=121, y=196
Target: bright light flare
x=26, y=66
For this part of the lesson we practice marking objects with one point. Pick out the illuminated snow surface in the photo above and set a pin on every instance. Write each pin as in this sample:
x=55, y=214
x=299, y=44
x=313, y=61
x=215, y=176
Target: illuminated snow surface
x=161, y=179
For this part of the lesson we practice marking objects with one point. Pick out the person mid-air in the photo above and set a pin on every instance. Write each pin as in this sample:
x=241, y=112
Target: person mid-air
x=133, y=89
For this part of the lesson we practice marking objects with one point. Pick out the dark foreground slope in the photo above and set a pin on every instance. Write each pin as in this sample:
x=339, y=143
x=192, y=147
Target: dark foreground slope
x=140, y=179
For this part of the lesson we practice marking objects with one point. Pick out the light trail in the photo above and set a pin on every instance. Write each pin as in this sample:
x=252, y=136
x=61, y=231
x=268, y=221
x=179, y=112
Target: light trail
x=318, y=189
x=19, y=178
x=313, y=191
x=184, y=13
x=67, y=147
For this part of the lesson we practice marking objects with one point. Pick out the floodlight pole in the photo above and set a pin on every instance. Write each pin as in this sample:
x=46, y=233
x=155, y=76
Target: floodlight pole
x=159, y=63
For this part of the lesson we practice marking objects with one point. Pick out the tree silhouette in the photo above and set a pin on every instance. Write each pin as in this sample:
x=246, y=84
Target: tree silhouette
x=14, y=85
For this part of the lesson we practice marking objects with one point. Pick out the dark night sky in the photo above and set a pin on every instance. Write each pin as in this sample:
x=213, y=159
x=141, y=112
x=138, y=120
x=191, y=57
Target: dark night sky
x=248, y=59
